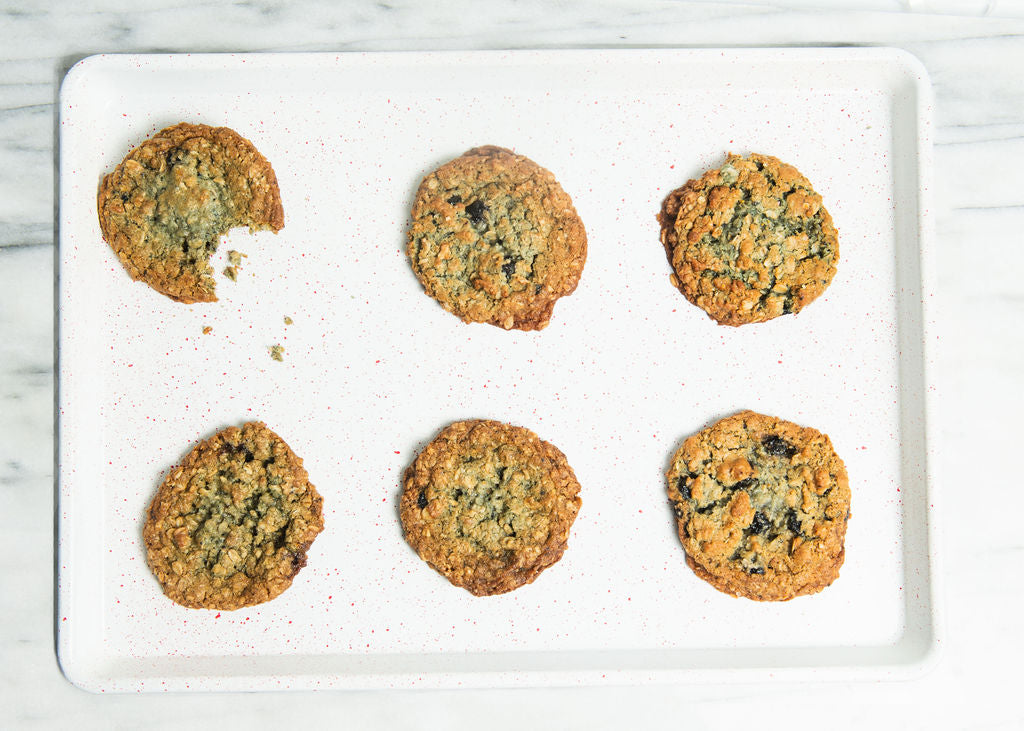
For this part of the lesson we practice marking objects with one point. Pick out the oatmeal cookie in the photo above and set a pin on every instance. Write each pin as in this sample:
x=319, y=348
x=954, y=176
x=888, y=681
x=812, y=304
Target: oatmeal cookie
x=495, y=239
x=489, y=505
x=762, y=506
x=165, y=207
x=230, y=527
x=749, y=241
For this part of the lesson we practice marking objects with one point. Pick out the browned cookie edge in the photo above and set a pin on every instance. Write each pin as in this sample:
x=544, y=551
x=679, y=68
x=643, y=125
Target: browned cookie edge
x=772, y=585
x=479, y=578
x=159, y=531
x=686, y=274
x=518, y=310
x=266, y=210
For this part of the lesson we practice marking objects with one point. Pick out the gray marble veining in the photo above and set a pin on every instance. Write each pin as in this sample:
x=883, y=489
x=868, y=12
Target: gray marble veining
x=979, y=204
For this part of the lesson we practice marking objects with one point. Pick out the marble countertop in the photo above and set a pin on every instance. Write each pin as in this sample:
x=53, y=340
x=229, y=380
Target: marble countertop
x=974, y=63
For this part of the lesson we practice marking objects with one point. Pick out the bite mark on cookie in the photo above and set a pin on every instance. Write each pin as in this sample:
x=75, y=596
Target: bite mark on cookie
x=164, y=209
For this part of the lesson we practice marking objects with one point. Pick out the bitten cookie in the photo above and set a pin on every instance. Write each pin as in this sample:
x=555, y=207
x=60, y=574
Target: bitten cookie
x=165, y=207
x=495, y=239
x=230, y=527
x=762, y=506
x=489, y=505
x=749, y=241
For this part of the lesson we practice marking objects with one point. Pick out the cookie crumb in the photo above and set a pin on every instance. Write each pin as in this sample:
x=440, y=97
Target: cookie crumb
x=288, y=320
x=234, y=264
x=277, y=352
x=207, y=330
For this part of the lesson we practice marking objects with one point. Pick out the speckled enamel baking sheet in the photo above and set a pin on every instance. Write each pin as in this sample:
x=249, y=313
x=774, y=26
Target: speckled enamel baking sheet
x=374, y=368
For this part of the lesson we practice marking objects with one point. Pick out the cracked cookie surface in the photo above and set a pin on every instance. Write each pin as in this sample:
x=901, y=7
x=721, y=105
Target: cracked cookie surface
x=230, y=526
x=749, y=241
x=761, y=506
x=165, y=206
x=495, y=239
x=489, y=505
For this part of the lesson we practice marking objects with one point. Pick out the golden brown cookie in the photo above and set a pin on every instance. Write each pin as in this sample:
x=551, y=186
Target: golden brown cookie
x=495, y=239
x=489, y=505
x=230, y=527
x=762, y=506
x=749, y=241
x=165, y=207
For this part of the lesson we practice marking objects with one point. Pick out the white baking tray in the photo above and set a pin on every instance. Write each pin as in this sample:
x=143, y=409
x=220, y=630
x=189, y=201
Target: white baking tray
x=374, y=368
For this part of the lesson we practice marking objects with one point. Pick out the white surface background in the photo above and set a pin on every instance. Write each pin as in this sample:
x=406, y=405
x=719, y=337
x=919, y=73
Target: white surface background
x=373, y=367
x=979, y=213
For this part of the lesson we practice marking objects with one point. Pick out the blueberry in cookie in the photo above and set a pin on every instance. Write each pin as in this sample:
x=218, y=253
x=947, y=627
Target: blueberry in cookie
x=495, y=239
x=761, y=506
x=749, y=241
x=165, y=206
x=489, y=505
x=230, y=526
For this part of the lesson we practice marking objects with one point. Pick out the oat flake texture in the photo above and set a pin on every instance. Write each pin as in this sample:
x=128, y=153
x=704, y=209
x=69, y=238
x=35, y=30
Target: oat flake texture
x=231, y=526
x=749, y=241
x=164, y=209
x=495, y=239
x=762, y=506
x=489, y=505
